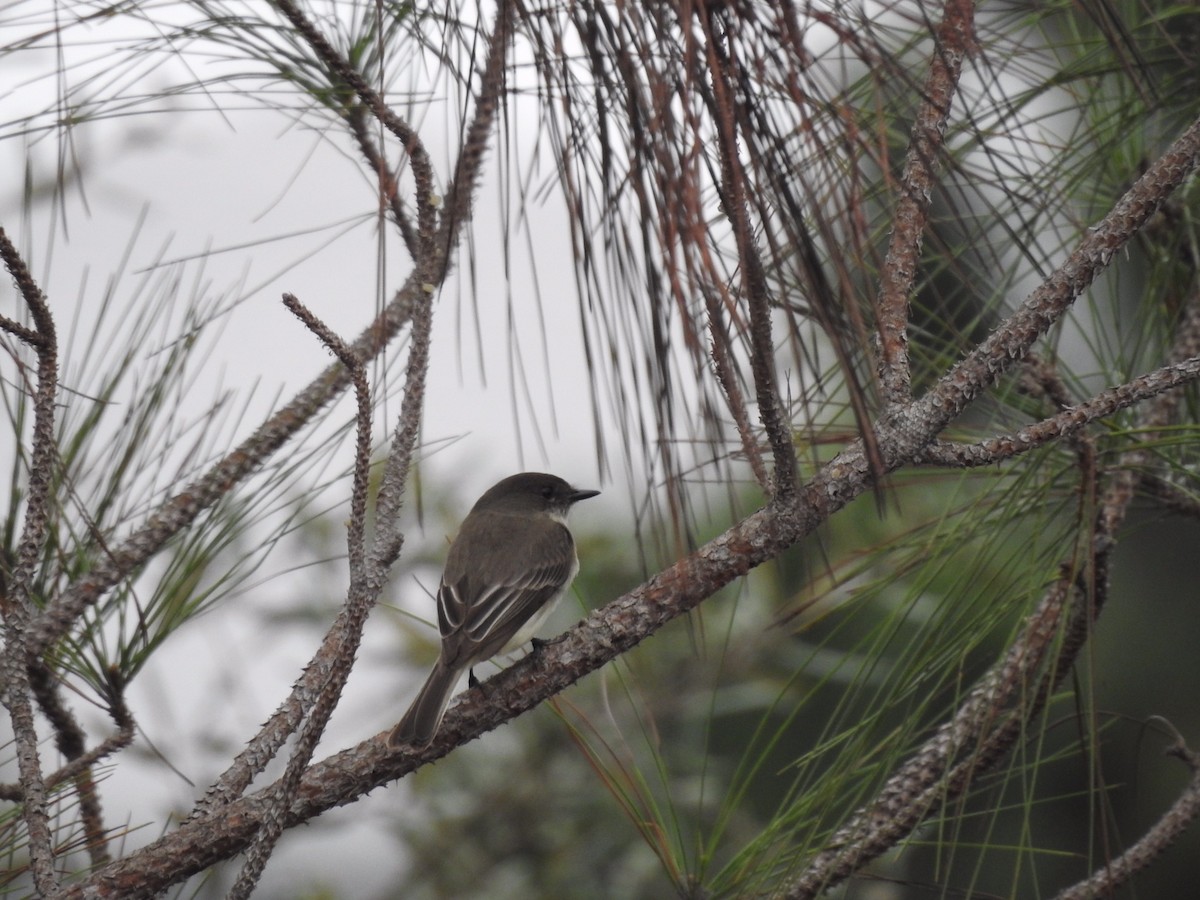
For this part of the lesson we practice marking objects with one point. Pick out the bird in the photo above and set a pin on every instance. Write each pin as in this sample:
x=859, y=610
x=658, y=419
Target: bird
x=512, y=561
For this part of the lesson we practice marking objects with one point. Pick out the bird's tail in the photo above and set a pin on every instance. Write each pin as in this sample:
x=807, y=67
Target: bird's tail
x=421, y=722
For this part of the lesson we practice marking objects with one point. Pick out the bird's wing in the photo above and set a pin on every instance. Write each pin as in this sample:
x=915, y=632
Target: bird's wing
x=483, y=601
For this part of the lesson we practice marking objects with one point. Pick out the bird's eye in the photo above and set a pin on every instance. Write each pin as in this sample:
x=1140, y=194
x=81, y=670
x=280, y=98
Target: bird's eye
x=547, y=492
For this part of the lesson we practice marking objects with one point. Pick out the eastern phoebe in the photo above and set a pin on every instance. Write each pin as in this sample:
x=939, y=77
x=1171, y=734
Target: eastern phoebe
x=512, y=561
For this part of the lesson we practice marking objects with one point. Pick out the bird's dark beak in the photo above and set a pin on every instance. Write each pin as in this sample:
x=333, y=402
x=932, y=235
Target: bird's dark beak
x=576, y=496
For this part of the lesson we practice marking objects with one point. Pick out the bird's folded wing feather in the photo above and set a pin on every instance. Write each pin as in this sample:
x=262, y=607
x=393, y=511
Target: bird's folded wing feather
x=489, y=600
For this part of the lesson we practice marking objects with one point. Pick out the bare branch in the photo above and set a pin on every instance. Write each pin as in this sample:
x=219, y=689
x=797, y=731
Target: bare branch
x=20, y=332
x=1070, y=421
x=954, y=41
x=388, y=181
x=460, y=192
x=17, y=604
x=362, y=451
x=727, y=379
x=335, y=657
x=326, y=672
x=1116, y=872
x=409, y=139
x=69, y=738
x=722, y=62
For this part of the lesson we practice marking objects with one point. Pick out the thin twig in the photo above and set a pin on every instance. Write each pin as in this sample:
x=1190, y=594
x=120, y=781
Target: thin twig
x=331, y=662
x=460, y=192
x=335, y=658
x=722, y=63
x=1068, y=422
x=392, y=485
x=422, y=169
x=387, y=180
x=362, y=449
x=727, y=378
x=69, y=739
x=462, y=188
x=17, y=605
x=954, y=40
x=1105, y=881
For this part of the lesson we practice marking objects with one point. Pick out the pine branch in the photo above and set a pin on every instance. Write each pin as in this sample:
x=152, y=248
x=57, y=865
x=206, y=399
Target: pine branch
x=17, y=604
x=1150, y=846
x=954, y=41
x=335, y=657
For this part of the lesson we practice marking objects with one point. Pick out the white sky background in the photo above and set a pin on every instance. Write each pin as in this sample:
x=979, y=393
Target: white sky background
x=234, y=186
